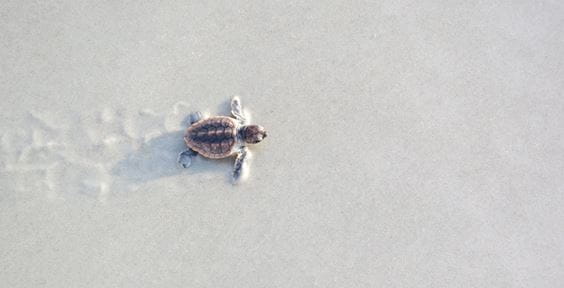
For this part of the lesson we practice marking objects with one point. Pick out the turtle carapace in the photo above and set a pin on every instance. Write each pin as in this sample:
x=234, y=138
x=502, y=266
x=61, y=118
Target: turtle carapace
x=221, y=137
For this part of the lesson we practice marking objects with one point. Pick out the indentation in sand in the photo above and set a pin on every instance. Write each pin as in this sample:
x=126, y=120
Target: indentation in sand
x=93, y=154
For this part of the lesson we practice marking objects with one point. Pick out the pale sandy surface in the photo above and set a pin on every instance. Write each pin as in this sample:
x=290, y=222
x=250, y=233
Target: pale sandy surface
x=412, y=144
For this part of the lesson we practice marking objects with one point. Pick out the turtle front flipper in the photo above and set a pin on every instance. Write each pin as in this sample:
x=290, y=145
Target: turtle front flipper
x=237, y=109
x=185, y=158
x=240, y=168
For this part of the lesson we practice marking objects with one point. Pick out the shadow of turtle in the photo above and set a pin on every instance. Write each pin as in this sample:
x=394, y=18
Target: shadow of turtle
x=157, y=158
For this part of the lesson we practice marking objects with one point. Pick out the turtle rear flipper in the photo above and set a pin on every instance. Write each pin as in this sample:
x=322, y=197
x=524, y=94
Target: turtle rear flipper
x=185, y=158
x=195, y=117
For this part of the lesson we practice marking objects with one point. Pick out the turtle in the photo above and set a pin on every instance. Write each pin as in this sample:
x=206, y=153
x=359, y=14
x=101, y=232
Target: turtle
x=220, y=137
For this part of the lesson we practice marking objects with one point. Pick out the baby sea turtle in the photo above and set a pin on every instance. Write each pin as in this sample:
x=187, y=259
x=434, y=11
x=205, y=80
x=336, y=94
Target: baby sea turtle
x=221, y=137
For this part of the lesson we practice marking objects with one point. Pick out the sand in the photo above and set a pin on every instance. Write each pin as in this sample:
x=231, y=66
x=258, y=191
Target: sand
x=411, y=144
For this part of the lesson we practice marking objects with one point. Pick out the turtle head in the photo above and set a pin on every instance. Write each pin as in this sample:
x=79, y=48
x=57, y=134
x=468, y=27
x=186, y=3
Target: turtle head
x=253, y=134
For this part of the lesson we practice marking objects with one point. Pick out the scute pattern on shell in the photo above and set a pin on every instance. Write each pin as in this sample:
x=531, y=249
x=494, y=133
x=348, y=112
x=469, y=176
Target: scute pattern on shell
x=213, y=137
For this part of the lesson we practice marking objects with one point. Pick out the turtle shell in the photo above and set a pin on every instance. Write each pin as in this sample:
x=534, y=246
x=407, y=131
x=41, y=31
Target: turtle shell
x=213, y=137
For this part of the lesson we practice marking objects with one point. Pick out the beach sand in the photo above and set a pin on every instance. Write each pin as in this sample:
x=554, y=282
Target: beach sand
x=411, y=144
